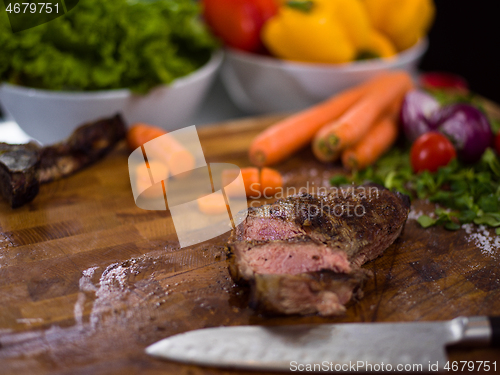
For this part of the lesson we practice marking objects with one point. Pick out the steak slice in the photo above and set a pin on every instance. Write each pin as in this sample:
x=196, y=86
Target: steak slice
x=302, y=254
x=324, y=292
x=89, y=143
x=24, y=167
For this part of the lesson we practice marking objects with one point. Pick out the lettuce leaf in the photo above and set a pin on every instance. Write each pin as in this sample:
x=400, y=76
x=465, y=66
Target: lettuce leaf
x=108, y=45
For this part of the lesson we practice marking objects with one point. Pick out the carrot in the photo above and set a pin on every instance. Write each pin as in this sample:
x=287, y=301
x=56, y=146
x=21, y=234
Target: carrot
x=321, y=149
x=265, y=182
x=171, y=152
x=321, y=146
x=355, y=122
x=231, y=187
x=229, y=175
x=159, y=170
x=140, y=133
x=282, y=139
x=271, y=182
x=165, y=149
x=252, y=181
x=143, y=180
x=213, y=204
x=375, y=143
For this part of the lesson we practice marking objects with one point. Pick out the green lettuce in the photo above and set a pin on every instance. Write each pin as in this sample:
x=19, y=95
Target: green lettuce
x=107, y=45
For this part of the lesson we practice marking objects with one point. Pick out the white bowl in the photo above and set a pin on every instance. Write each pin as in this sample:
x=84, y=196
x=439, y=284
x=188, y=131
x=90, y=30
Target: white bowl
x=51, y=116
x=261, y=84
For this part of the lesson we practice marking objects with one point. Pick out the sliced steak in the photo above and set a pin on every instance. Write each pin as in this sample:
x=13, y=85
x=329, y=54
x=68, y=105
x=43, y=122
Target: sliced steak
x=287, y=257
x=283, y=249
x=324, y=292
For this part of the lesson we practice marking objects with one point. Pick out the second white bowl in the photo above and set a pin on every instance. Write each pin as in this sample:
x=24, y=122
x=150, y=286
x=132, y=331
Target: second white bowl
x=262, y=84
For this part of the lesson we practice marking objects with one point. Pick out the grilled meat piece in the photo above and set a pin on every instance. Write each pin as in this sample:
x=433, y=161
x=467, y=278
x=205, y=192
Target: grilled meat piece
x=19, y=172
x=292, y=243
x=24, y=167
x=88, y=143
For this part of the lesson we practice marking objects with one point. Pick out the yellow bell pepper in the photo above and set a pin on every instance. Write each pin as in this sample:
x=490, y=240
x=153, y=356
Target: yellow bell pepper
x=378, y=46
x=403, y=21
x=319, y=31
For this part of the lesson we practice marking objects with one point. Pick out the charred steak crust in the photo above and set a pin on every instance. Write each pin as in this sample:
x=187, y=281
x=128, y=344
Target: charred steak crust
x=300, y=237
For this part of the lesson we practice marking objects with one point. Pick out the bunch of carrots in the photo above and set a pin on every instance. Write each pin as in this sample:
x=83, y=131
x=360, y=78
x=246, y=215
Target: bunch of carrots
x=356, y=126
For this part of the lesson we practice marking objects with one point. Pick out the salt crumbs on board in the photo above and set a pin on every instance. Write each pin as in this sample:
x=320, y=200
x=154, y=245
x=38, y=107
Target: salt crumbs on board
x=485, y=239
x=414, y=215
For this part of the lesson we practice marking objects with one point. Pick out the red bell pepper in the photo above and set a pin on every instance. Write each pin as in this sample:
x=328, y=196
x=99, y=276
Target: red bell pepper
x=238, y=22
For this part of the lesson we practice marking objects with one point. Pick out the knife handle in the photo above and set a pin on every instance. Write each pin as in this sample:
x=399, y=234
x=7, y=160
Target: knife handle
x=495, y=330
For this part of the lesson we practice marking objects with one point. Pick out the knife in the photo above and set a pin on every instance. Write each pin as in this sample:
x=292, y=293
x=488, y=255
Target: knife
x=414, y=346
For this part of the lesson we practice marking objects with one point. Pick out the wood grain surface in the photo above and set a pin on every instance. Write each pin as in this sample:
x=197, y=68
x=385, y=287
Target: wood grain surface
x=88, y=280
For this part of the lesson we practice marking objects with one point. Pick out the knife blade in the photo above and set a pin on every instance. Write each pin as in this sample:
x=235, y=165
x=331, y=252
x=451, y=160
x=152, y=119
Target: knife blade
x=335, y=347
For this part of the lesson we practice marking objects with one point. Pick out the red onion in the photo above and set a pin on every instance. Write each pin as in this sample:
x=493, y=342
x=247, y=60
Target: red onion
x=416, y=111
x=467, y=128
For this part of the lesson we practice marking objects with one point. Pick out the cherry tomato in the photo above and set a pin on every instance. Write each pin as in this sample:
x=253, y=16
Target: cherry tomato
x=431, y=151
x=497, y=143
x=238, y=22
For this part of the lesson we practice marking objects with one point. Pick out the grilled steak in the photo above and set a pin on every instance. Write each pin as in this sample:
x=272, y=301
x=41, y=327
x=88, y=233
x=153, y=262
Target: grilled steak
x=302, y=254
x=24, y=167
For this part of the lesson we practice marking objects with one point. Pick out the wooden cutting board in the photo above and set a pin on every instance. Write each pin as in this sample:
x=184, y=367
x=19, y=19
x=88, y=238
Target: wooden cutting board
x=88, y=280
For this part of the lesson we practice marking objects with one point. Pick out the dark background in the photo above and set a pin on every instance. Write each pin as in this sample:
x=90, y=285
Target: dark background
x=465, y=40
